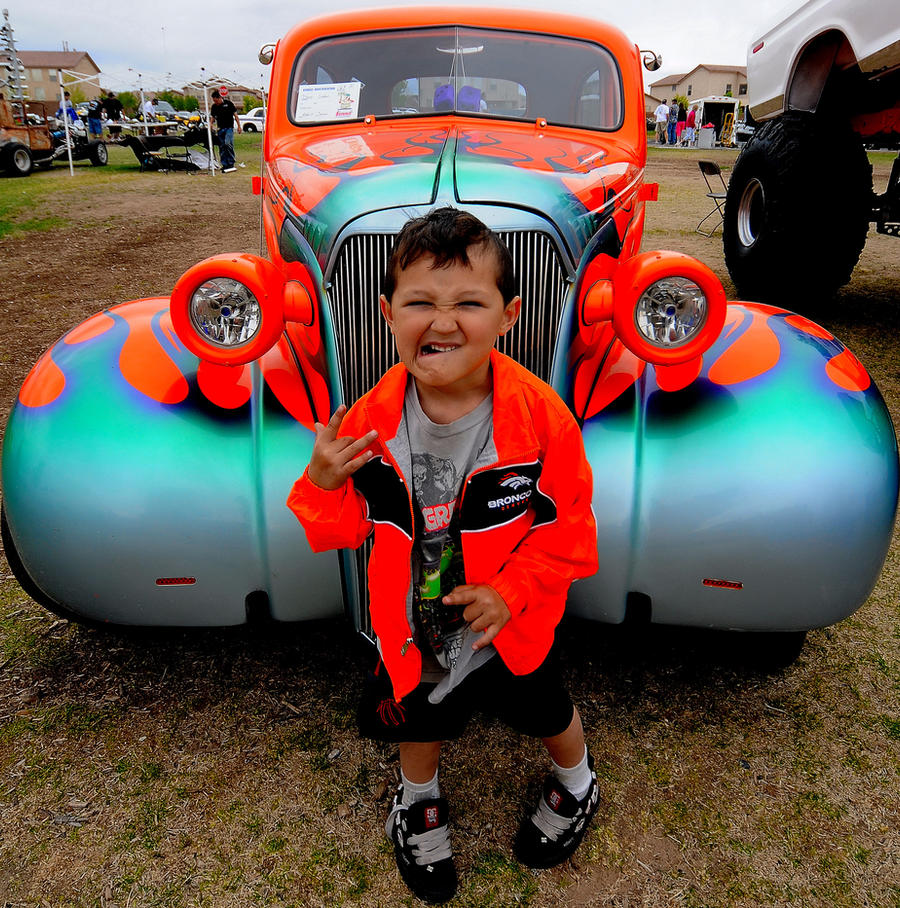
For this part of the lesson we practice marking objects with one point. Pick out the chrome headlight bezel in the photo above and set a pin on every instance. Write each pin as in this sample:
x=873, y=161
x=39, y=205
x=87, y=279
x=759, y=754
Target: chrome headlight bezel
x=671, y=311
x=225, y=312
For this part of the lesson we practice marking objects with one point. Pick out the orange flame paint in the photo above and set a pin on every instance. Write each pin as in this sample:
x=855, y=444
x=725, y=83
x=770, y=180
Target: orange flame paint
x=755, y=352
x=43, y=384
x=809, y=327
x=620, y=371
x=95, y=326
x=144, y=363
x=846, y=371
x=676, y=378
x=228, y=387
x=283, y=377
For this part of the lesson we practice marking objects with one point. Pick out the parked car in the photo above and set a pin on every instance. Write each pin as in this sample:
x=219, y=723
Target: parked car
x=824, y=83
x=745, y=466
x=254, y=120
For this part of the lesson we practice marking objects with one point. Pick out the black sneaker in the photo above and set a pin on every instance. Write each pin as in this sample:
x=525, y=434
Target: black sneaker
x=555, y=829
x=421, y=837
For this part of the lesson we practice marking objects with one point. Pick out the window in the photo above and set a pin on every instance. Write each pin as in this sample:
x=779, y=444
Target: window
x=742, y=88
x=40, y=94
x=728, y=88
x=453, y=69
x=690, y=89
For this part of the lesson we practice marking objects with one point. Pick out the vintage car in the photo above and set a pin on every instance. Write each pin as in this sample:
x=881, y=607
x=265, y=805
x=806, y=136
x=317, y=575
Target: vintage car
x=745, y=465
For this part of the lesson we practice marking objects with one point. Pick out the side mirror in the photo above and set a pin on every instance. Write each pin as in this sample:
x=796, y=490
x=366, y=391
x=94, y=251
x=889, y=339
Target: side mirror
x=231, y=309
x=666, y=307
x=652, y=60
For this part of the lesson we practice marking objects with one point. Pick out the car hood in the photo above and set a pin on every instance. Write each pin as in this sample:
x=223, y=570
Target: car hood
x=330, y=177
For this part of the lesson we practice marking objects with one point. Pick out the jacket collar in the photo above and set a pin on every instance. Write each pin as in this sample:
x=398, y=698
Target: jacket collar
x=513, y=429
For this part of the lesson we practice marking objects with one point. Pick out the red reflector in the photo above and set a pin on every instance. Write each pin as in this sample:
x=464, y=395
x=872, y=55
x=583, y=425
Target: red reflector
x=723, y=584
x=256, y=185
x=175, y=581
x=759, y=46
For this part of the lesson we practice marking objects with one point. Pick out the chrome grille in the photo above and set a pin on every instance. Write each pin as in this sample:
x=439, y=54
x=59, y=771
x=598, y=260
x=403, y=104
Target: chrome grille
x=365, y=347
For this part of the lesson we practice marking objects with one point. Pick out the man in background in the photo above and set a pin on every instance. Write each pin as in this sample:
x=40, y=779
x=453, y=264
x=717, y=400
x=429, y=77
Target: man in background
x=224, y=113
x=662, y=118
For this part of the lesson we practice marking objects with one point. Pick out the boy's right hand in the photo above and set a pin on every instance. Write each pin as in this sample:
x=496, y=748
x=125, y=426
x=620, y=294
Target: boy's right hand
x=334, y=460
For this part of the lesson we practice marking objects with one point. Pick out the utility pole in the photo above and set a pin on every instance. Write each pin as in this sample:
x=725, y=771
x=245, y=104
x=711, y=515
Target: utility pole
x=11, y=68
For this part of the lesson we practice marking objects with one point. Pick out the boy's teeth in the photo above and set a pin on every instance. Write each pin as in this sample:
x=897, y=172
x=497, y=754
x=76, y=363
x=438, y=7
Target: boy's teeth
x=438, y=348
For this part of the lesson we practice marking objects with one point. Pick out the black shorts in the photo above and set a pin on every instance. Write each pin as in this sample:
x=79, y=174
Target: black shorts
x=537, y=704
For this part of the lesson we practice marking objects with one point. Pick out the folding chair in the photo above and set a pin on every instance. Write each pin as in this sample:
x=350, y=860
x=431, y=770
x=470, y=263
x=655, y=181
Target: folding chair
x=711, y=170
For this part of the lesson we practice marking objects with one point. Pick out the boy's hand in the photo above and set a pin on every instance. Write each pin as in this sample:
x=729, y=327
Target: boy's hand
x=334, y=460
x=485, y=610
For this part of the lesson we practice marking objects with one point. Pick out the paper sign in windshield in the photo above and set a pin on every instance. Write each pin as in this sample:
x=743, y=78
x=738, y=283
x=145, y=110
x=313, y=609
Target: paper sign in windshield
x=335, y=101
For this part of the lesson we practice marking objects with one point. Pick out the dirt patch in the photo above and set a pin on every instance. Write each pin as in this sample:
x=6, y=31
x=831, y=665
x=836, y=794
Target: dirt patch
x=223, y=768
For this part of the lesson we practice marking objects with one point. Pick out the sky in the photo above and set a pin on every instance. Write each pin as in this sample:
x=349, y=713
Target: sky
x=173, y=42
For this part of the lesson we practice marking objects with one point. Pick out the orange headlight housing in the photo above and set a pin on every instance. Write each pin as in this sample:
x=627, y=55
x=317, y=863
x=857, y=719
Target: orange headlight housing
x=231, y=309
x=666, y=307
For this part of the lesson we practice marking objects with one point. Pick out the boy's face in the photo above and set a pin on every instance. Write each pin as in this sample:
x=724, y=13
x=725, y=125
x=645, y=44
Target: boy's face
x=445, y=321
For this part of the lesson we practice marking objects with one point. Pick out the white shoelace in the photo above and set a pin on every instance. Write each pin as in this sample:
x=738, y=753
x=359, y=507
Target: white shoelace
x=550, y=823
x=431, y=846
x=428, y=847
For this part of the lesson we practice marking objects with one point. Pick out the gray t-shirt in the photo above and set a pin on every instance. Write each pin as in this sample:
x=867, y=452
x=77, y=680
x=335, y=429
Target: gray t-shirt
x=442, y=456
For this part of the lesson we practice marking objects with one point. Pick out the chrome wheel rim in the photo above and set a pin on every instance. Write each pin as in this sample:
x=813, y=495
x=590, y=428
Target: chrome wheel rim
x=751, y=212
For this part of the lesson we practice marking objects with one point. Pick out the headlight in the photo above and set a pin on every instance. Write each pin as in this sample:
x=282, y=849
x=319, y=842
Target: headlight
x=231, y=309
x=225, y=312
x=666, y=307
x=671, y=311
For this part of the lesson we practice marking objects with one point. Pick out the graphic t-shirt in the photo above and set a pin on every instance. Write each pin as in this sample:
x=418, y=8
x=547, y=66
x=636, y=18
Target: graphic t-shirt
x=442, y=456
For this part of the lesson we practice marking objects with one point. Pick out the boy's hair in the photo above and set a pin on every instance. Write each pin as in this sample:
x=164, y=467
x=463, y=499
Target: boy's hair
x=446, y=234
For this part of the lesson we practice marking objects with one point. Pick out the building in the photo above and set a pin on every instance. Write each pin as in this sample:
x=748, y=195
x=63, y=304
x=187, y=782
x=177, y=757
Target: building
x=702, y=81
x=42, y=68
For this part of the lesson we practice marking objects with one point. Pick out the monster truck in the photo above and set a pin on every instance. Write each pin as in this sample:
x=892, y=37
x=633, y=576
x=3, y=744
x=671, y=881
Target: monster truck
x=824, y=84
x=745, y=466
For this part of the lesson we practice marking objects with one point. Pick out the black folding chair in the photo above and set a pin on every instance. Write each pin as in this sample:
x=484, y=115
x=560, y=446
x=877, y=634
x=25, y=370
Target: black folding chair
x=711, y=170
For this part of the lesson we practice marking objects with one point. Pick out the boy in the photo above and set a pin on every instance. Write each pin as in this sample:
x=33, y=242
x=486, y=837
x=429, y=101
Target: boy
x=472, y=476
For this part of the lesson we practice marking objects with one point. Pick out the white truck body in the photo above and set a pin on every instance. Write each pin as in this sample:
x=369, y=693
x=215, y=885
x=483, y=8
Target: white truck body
x=872, y=29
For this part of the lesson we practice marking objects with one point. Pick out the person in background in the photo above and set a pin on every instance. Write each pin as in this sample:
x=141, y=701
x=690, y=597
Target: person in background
x=224, y=114
x=95, y=117
x=113, y=107
x=69, y=109
x=662, y=116
x=679, y=125
x=672, y=121
x=690, y=133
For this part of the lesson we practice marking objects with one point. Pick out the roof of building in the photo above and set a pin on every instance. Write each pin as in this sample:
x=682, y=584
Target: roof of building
x=709, y=67
x=55, y=59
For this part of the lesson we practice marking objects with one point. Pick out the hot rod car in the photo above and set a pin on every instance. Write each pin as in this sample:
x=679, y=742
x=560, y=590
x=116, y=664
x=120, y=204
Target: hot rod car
x=745, y=466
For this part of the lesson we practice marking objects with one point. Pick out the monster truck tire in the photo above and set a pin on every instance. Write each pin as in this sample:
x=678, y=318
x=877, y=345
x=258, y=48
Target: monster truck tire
x=98, y=154
x=797, y=211
x=17, y=160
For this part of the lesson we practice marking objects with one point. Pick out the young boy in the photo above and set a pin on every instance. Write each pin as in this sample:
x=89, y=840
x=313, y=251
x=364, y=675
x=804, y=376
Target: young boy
x=471, y=474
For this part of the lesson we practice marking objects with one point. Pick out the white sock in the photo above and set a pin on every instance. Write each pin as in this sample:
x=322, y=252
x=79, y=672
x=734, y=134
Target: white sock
x=577, y=778
x=416, y=791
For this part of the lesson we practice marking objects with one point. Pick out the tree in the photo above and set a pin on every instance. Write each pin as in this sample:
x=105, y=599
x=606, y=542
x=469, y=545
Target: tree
x=129, y=102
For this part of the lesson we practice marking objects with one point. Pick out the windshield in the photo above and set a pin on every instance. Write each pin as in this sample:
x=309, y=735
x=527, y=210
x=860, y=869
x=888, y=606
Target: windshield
x=457, y=70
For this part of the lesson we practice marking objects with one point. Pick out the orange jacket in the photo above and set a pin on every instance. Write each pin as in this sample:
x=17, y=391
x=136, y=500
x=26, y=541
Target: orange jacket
x=526, y=521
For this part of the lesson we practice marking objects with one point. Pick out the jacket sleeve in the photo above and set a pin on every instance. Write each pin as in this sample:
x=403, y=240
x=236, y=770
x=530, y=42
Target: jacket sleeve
x=335, y=519
x=550, y=556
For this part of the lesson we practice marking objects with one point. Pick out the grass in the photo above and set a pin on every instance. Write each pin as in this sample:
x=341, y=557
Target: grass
x=223, y=769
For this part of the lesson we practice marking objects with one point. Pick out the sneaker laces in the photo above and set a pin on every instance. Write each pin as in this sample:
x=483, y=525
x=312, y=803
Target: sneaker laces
x=550, y=823
x=431, y=846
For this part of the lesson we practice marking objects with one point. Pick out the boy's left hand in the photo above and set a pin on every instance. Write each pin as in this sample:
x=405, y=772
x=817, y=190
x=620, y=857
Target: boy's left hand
x=485, y=610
